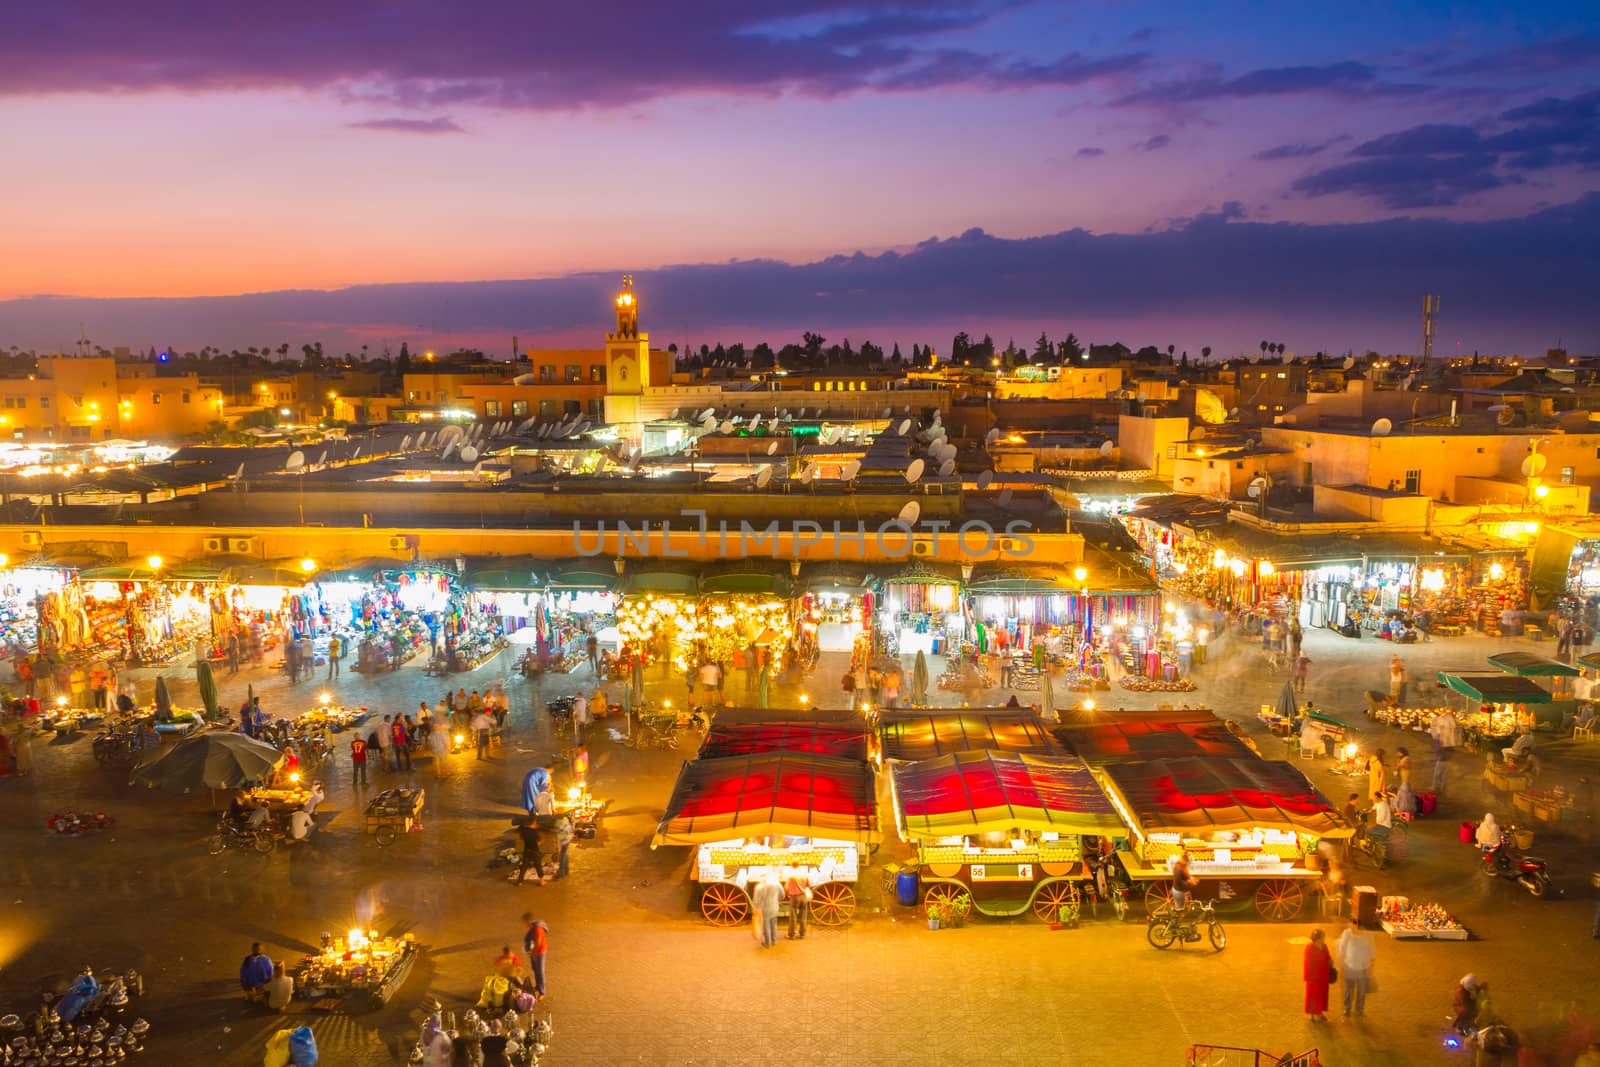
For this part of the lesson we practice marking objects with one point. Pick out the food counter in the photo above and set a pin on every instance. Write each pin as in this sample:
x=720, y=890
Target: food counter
x=1405, y=921
x=278, y=801
x=358, y=972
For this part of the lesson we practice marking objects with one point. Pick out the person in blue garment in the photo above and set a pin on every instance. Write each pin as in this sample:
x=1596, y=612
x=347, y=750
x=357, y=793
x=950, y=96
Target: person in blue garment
x=534, y=782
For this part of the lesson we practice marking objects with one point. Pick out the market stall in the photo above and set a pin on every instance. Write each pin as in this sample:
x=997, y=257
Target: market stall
x=132, y=606
x=1099, y=738
x=1002, y=832
x=842, y=740
x=360, y=971
x=1247, y=827
x=1528, y=665
x=922, y=608
x=914, y=736
x=744, y=607
x=837, y=605
x=751, y=817
x=658, y=614
x=1496, y=705
x=21, y=589
x=579, y=600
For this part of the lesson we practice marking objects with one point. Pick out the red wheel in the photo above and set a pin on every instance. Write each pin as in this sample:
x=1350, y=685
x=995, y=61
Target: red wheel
x=1155, y=895
x=1051, y=897
x=1279, y=901
x=832, y=904
x=724, y=904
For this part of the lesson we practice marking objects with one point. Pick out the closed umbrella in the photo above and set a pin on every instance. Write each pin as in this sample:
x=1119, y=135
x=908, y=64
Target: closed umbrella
x=1288, y=706
x=208, y=688
x=763, y=688
x=919, y=680
x=208, y=761
x=1047, y=699
x=638, y=682
x=163, y=699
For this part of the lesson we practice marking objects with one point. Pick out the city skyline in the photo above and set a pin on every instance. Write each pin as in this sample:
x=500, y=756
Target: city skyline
x=1151, y=174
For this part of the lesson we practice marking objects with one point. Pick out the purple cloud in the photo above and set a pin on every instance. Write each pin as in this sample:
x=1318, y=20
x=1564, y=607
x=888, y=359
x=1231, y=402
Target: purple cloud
x=1154, y=144
x=1299, y=150
x=399, y=125
x=1402, y=181
x=1431, y=139
x=1089, y=152
x=1540, y=59
x=1348, y=78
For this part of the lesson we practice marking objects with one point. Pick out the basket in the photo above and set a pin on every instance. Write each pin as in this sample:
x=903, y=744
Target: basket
x=1523, y=803
x=1523, y=839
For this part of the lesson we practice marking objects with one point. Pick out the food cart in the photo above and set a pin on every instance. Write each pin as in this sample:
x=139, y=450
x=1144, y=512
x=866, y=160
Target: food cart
x=919, y=735
x=1102, y=737
x=754, y=815
x=1496, y=705
x=361, y=971
x=1003, y=832
x=1247, y=826
x=394, y=812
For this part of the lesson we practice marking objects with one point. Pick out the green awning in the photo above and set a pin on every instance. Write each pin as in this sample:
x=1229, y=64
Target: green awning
x=831, y=576
x=1018, y=579
x=1495, y=688
x=1527, y=665
x=361, y=570
x=762, y=577
x=663, y=577
x=920, y=573
x=1591, y=661
x=126, y=571
x=501, y=574
x=581, y=574
x=285, y=572
x=197, y=571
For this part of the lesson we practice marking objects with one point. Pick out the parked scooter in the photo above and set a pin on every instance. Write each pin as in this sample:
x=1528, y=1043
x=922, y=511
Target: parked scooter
x=1507, y=861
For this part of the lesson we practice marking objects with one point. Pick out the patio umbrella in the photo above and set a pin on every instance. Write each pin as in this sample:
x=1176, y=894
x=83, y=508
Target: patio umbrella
x=1047, y=700
x=208, y=688
x=208, y=761
x=764, y=688
x=163, y=699
x=1288, y=706
x=919, y=680
x=638, y=681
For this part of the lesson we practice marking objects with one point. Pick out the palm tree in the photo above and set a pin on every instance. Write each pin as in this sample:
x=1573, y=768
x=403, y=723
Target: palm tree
x=1264, y=347
x=1205, y=353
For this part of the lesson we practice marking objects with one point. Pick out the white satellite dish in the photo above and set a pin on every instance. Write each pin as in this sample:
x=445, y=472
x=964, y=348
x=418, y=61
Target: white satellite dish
x=469, y=454
x=914, y=472
x=910, y=513
x=1004, y=499
x=755, y=423
x=451, y=435
x=707, y=413
x=886, y=413
x=904, y=427
x=772, y=448
x=1198, y=434
x=806, y=474
x=405, y=442
x=851, y=469
x=991, y=437
x=1349, y=361
x=764, y=477
x=523, y=379
x=1106, y=447
x=356, y=454
x=727, y=426
x=1534, y=465
x=708, y=423
x=947, y=453
x=947, y=468
x=1257, y=486
x=985, y=479
x=449, y=448
x=674, y=414
x=1233, y=413
x=296, y=460
x=1382, y=428
x=238, y=473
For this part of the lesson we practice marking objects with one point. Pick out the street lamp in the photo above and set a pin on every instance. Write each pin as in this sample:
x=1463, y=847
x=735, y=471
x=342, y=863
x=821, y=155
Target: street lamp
x=308, y=565
x=154, y=562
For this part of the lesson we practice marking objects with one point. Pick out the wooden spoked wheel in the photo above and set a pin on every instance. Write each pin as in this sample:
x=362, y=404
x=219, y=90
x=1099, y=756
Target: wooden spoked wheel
x=724, y=904
x=1279, y=901
x=1155, y=895
x=832, y=904
x=946, y=893
x=1051, y=897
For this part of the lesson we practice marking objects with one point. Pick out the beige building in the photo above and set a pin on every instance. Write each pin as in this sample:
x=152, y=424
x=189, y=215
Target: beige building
x=97, y=399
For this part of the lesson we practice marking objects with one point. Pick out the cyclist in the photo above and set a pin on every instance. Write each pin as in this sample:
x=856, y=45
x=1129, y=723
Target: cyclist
x=1183, y=883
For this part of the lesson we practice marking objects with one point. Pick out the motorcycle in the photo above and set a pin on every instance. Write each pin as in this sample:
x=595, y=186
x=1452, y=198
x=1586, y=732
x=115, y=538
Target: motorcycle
x=1167, y=926
x=231, y=835
x=1505, y=860
x=560, y=709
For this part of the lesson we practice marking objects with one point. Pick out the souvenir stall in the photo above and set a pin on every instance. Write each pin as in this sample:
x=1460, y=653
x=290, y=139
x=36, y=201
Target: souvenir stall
x=837, y=605
x=1325, y=593
x=265, y=601
x=579, y=599
x=1248, y=828
x=922, y=608
x=360, y=971
x=1002, y=832
x=745, y=611
x=1462, y=593
x=154, y=621
x=21, y=589
x=468, y=630
x=750, y=817
x=1495, y=705
x=914, y=736
x=658, y=615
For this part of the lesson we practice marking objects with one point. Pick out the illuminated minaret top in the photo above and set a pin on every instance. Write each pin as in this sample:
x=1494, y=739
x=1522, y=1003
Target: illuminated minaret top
x=627, y=311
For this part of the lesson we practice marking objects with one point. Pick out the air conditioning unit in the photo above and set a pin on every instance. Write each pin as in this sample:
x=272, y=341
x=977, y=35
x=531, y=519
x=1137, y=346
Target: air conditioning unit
x=33, y=538
x=400, y=543
x=922, y=548
x=1013, y=546
x=218, y=545
x=242, y=546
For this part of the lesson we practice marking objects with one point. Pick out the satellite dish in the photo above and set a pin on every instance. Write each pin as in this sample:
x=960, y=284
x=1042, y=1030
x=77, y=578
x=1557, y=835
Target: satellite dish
x=1005, y=498
x=1382, y=428
x=449, y=448
x=450, y=435
x=985, y=479
x=356, y=454
x=1233, y=413
x=1257, y=486
x=1107, y=447
x=764, y=477
x=1349, y=361
x=772, y=448
x=904, y=427
x=1198, y=434
x=674, y=414
x=707, y=413
x=523, y=379
x=755, y=423
x=1534, y=465
x=806, y=474
x=405, y=442
x=727, y=426
x=469, y=454
x=322, y=460
x=708, y=423
x=886, y=413
x=914, y=472
x=910, y=513
x=238, y=473
x=991, y=437
x=543, y=431
x=296, y=460
x=947, y=468
x=947, y=453
x=851, y=469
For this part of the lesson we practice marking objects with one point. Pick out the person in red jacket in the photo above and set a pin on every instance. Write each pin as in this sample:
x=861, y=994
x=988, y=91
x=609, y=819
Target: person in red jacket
x=358, y=761
x=1318, y=976
x=402, y=743
x=535, y=943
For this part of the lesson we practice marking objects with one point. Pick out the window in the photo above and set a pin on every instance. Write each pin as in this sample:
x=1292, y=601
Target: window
x=155, y=398
x=547, y=407
x=187, y=397
x=597, y=373
x=1238, y=465
x=597, y=408
x=22, y=401
x=44, y=402
x=519, y=407
x=570, y=408
x=491, y=408
x=547, y=372
x=11, y=402
x=1413, y=480
x=1569, y=475
x=574, y=373
x=1282, y=375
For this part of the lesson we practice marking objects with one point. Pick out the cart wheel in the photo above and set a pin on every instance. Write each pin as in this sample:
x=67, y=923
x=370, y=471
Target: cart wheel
x=1162, y=932
x=384, y=835
x=1155, y=895
x=947, y=893
x=1278, y=900
x=265, y=843
x=724, y=904
x=1050, y=898
x=833, y=904
x=216, y=846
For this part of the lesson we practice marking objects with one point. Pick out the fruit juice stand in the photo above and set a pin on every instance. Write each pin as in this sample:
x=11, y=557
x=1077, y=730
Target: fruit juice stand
x=1102, y=737
x=1496, y=704
x=918, y=735
x=1002, y=832
x=361, y=971
x=1247, y=827
x=748, y=816
x=753, y=738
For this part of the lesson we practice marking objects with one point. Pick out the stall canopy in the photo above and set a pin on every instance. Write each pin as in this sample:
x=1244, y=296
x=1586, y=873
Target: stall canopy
x=817, y=738
x=755, y=576
x=831, y=576
x=920, y=573
x=1222, y=794
x=921, y=736
x=980, y=792
x=1527, y=665
x=1102, y=738
x=662, y=577
x=1019, y=579
x=787, y=793
x=285, y=572
x=1591, y=661
x=501, y=574
x=566, y=574
x=128, y=570
x=361, y=570
x=1495, y=688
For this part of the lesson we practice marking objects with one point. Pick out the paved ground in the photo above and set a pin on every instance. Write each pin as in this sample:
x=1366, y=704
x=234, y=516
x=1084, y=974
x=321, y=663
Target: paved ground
x=637, y=978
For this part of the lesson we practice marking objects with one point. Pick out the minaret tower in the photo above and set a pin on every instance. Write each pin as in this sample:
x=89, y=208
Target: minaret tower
x=627, y=365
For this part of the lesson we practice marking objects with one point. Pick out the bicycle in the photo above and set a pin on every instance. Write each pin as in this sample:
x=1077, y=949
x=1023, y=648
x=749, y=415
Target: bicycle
x=652, y=733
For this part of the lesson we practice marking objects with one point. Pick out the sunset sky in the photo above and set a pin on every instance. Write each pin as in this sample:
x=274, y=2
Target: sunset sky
x=164, y=149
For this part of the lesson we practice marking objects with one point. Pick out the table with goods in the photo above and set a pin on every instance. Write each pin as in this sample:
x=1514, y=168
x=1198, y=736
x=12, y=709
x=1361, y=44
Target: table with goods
x=278, y=802
x=83, y=1026
x=1405, y=921
x=360, y=971
x=1547, y=805
x=394, y=812
x=584, y=809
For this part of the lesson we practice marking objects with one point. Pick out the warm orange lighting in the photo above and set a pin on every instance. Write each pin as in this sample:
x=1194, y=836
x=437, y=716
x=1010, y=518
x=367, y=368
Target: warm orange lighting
x=1542, y=491
x=308, y=565
x=1081, y=573
x=1266, y=568
x=154, y=562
